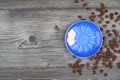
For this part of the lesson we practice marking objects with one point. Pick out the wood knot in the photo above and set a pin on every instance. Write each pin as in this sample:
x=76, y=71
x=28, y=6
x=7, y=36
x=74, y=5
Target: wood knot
x=32, y=38
x=29, y=41
x=57, y=28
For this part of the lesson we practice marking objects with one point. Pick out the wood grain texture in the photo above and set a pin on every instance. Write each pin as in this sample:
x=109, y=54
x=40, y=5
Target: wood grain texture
x=20, y=19
x=55, y=73
x=53, y=4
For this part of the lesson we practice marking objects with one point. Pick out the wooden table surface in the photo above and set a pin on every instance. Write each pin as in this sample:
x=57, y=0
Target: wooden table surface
x=32, y=39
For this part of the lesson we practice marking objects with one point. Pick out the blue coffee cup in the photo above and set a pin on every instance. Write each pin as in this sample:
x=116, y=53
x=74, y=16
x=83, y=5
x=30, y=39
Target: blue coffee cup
x=83, y=39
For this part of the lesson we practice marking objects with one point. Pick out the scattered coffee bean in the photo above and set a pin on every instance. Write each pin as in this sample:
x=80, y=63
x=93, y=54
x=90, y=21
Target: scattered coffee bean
x=110, y=34
x=111, y=16
x=101, y=71
x=92, y=13
x=76, y=1
x=101, y=29
x=106, y=16
x=118, y=51
x=107, y=31
x=73, y=56
x=99, y=22
x=116, y=13
x=118, y=65
x=113, y=25
x=94, y=72
x=85, y=4
x=88, y=8
x=79, y=16
x=115, y=51
x=105, y=74
x=104, y=25
x=107, y=22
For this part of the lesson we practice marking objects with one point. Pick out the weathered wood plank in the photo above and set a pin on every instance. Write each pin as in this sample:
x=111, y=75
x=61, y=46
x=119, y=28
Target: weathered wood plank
x=53, y=4
x=57, y=73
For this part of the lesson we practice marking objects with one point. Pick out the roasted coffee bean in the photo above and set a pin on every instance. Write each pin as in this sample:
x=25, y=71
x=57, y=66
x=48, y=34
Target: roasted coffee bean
x=101, y=71
x=76, y=1
x=85, y=4
x=105, y=74
x=116, y=13
x=114, y=25
x=104, y=25
x=79, y=16
x=107, y=31
x=107, y=22
x=94, y=72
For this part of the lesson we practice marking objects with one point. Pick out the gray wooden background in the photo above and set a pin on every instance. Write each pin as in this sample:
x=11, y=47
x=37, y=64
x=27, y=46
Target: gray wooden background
x=32, y=39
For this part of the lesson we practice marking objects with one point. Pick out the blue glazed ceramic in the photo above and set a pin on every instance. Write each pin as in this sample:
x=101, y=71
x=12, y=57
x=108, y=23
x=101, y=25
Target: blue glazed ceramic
x=83, y=39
